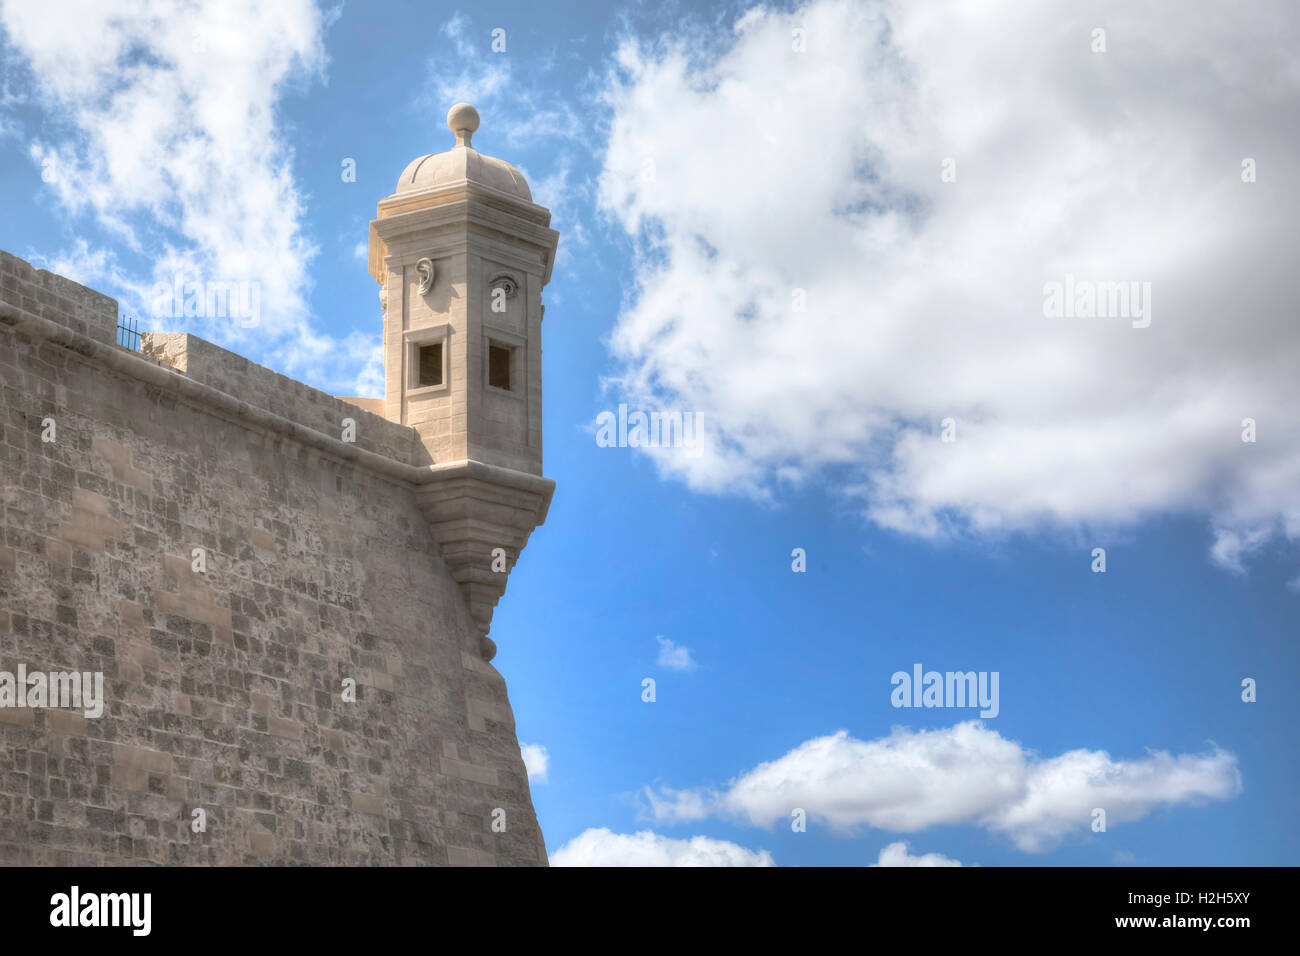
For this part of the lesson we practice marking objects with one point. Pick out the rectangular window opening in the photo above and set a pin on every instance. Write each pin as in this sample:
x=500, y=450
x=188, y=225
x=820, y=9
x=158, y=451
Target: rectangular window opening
x=430, y=365
x=499, y=366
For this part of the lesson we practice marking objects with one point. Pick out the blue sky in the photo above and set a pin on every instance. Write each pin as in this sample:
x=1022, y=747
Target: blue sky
x=703, y=172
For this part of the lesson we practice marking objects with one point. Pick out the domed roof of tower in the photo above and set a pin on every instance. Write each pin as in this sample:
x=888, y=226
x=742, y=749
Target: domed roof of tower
x=462, y=162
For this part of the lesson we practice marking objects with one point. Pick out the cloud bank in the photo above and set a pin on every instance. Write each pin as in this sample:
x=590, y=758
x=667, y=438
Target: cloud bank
x=840, y=246
x=962, y=775
x=896, y=855
x=602, y=847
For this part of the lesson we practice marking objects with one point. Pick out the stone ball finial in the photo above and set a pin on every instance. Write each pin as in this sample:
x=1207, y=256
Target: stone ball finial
x=463, y=120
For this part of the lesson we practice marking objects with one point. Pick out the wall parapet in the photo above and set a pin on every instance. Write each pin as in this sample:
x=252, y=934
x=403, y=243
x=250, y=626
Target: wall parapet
x=57, y=299
x=228, y=372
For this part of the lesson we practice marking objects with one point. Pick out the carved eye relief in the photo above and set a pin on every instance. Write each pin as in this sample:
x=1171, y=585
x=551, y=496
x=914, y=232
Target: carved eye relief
x=506, y=283
x=425, y=270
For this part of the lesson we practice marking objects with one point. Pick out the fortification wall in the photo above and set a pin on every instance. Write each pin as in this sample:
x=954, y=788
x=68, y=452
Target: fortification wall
x=223, y=689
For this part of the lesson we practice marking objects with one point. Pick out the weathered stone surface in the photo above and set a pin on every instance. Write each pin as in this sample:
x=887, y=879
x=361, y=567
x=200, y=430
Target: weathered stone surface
x=224, y=688
x=56, y=299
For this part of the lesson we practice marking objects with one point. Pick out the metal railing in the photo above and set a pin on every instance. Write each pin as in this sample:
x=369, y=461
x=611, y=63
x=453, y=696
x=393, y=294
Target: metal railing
x=128, y=332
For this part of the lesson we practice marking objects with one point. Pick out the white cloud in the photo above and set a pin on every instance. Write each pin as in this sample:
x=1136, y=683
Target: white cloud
x=601, y=847
x=963, y=775
x=81, y=263
x=746, y=171
x=673, y=657
x=173, y=148
x=537, y=760
x=896, y=855
x=677, y=806
x=559, y=193
x=1232, y=546
x=472, y=73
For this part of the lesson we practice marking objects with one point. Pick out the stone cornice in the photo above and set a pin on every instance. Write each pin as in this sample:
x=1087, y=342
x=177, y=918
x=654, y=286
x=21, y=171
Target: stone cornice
x=484, y=196
x=459, y=207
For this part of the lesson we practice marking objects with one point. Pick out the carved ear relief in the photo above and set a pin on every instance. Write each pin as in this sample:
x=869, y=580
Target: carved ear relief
x=426, y=271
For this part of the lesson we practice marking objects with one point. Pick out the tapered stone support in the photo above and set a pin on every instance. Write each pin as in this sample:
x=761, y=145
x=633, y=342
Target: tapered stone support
x=482, y=515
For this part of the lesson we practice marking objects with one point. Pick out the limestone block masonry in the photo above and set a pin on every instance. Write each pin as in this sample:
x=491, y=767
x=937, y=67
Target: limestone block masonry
x=376, y=561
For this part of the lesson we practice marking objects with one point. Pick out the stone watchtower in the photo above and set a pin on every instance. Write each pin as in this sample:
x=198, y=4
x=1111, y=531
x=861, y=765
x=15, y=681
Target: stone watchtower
x=461, y=254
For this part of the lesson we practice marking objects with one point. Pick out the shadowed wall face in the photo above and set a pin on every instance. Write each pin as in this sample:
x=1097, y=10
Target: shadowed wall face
x=225, y=687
